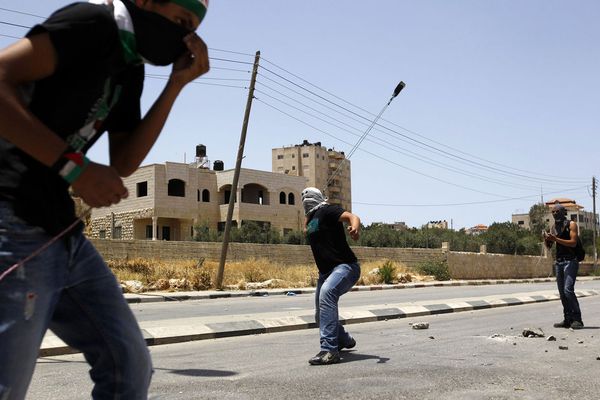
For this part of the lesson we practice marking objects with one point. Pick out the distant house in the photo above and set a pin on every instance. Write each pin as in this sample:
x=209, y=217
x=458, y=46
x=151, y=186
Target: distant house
x=437, y=224
x=584, y=219
x=477, y=229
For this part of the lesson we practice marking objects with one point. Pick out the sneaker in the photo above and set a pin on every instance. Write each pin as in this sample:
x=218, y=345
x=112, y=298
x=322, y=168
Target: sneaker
x=325, y=358
x=562, y=324
x=350, y=344
x=577, y=325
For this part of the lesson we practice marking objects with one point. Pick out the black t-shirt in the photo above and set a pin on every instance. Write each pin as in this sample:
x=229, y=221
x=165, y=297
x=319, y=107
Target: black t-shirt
x=92, y=90
x=327, y=239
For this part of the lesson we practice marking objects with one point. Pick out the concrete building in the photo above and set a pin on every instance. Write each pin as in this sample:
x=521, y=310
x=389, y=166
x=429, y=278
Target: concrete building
x=437, y=225
x=319, y=166
x=575, y=212
x=166, y=201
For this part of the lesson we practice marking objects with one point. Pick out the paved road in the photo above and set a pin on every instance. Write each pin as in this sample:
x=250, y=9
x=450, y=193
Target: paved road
x=391, y=361
x=255, y=305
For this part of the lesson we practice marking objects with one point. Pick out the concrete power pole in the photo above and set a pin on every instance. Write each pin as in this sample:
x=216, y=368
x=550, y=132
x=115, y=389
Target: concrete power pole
x=236, y=175
x=595, y=221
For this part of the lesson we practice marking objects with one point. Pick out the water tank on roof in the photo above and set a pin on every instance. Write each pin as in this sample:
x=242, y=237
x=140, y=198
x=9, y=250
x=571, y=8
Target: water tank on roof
x=201, y=150
x=218, y=165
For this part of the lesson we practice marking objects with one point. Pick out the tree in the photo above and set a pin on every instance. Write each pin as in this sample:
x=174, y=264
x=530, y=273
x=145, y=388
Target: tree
x=537, y=218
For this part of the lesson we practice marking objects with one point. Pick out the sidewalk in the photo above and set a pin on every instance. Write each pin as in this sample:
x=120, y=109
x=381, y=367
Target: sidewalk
x=200, y=328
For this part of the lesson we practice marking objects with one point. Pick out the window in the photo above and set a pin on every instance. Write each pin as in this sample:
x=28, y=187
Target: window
x=293, y=156
x=226, y=196
x=291, y=199
x=198, y=195
x=581, y=218
x=280, y=156
x=117, y=233
x=282, y=198
x=148, y=231
x=574, y=217
x=521, y=222
x=176, y=188
x=102, y=234
x=142, y=189
x=305, y=155
x=293, y=167
x=205, y=196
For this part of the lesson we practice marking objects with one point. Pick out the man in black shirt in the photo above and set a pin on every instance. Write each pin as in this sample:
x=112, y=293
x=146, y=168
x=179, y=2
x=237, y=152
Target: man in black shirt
x=564, y=233
x=338, y=269
x=76, y=75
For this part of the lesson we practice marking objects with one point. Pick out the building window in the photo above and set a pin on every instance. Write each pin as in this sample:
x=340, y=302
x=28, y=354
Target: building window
x=142, y=189
x=102, y=234
x=293, y=156
x=281, y=198
x=176, y=188
x=198, y=195
x=304, y=155
x=226, y=196
x=581, y=218
x=205, y=196
x=148, y=231
x=574, y=217
x=521, y=222
x=291, y=199
x=280, y=156
x=117, y=233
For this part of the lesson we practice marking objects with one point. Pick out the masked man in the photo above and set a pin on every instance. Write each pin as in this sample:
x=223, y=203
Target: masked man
x=76, y=75
x=338, y=269
x=564, y=233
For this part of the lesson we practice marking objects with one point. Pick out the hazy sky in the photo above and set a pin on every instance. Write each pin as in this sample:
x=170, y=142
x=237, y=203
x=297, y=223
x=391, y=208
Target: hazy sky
x=502, y=98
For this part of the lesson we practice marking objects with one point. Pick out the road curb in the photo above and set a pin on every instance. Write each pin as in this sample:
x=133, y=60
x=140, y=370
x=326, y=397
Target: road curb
x=183, y=296
x=52, y=346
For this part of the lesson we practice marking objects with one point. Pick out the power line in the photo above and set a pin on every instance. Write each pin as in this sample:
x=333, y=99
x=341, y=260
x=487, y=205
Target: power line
x=379, y=157
x=398, y=149
x=21, y=12
x=17, y=25
x=467, y=203
x=560, y=179
x=164, y=78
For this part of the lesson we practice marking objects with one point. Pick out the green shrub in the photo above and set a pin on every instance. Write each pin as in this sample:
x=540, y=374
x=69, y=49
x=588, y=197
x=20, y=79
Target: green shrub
x=437, y=268
x=387, y=272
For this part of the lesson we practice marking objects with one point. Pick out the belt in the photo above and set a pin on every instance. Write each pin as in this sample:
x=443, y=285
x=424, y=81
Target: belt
x=565, y=258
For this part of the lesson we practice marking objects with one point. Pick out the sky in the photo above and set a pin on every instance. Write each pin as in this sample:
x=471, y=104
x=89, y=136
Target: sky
x=501, y=105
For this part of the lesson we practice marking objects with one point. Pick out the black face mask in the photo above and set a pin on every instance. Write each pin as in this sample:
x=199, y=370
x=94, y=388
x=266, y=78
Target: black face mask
x=158, y=39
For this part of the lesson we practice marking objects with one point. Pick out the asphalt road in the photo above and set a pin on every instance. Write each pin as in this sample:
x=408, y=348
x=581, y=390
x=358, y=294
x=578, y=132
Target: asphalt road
x=255, y=305
x=457, y=358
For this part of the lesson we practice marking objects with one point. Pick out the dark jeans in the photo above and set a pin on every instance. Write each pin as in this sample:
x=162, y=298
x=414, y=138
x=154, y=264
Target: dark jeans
x=566, y=273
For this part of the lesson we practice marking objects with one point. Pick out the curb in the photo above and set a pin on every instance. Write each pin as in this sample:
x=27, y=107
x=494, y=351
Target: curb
x=183, y=296
x=53, y=346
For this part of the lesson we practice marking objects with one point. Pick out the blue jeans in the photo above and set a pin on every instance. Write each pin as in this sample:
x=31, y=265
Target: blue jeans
x=69, y=289
x=566, y=273
x=329, y=289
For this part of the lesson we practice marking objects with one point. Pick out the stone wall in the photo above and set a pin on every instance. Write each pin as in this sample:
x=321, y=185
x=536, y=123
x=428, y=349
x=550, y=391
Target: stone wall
x=281, y=253
x=460, y=265
x=497, y=266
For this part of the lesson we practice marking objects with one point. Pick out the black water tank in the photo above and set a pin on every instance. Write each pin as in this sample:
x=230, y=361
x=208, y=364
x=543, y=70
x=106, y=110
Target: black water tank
x=201, y=150
x=218, y=165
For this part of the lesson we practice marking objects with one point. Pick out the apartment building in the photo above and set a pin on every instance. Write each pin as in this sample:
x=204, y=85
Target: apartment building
x=325, y=169
x=167, y=200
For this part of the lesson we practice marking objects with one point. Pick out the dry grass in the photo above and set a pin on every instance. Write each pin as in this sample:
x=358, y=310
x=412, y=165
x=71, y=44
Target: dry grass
x=201, y=275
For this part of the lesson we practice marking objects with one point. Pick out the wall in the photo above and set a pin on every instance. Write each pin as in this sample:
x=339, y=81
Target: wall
x=281, y=253
x=497, y=266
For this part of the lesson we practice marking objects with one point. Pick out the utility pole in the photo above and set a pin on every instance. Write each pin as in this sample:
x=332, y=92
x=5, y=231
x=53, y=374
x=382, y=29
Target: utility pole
x=236, y=175
x=595, y=221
